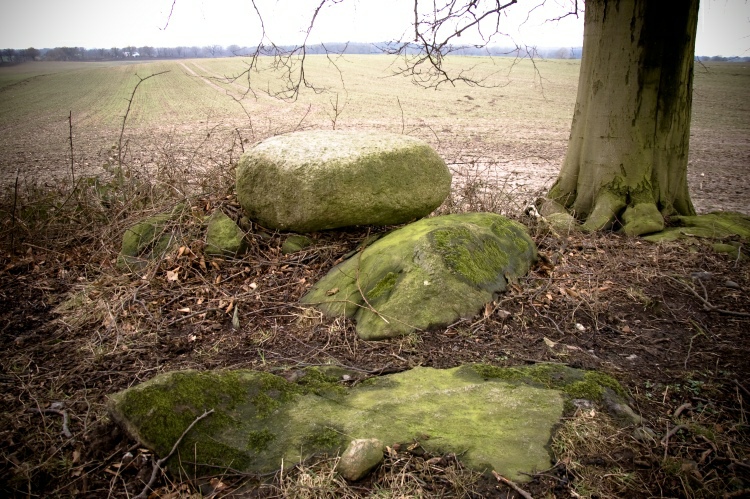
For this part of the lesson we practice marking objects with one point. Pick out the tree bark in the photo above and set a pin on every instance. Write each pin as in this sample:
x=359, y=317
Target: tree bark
x=626, y=163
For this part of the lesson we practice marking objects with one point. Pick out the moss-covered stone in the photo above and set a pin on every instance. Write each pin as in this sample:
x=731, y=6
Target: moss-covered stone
x=574, y=383
x=427, y=274
x=492, y=422
x=315, y=180
x=148, y=240
x=294, y=243
x=223, y=236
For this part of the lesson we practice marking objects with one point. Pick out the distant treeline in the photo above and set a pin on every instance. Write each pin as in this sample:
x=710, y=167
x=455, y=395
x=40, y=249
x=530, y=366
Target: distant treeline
x=210, y=51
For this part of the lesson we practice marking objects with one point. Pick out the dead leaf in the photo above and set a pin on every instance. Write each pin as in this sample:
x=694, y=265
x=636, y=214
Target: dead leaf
x=503, y=314
x=236, y=319
x=488, y=307
x=202, y=264
x=173, y=275
x=186, y=310
x=332, y=292
x=217, y=484
x=549, y=342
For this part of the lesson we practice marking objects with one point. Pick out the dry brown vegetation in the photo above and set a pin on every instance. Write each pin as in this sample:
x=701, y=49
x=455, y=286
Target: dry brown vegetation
x=669, y=321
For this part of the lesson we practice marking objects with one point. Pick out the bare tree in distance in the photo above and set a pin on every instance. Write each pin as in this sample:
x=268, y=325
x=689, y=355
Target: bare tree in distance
x=626, y=164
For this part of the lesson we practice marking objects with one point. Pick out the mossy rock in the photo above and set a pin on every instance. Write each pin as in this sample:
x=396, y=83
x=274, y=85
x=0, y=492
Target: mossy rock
x=721, y=226
x=148, y=240
x=325, y=179
x=496, y=418
x=294, y=243
x=427, y=274
x=223, y=236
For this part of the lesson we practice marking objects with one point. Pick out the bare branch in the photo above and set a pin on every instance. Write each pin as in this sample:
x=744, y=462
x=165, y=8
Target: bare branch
x=169, y=17
x=158, y=464
x=125, y=117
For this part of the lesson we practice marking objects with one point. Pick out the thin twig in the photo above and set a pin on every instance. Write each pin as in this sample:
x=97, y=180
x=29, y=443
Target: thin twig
x=13, y=218
x=670, y=433
x=683, y=407
x=158, y=464
x=403, y=123
x=70, y=137
x=64, y=414
x=742, y=387
x=707, y=305
x=512, y=485
x=125, y=118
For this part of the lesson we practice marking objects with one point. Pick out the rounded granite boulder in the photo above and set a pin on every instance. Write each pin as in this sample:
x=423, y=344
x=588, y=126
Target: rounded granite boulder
x=316, y=180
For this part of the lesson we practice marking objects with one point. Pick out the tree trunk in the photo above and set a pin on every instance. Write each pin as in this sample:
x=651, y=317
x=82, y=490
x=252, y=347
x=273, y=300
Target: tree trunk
x=626, y=163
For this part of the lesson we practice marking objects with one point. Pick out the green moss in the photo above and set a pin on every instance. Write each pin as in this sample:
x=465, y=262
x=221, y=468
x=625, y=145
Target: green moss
x=148, y=239
x=223, y=236
x=326, y=439
x=383, y=286
x=264, y=404
x=322, y=382
x=427, y=274
x=717, y=225
x=295, y=243
x=544, y=375
x=605, y=380
x=208, y=454
x=575, y=384
x=475, y=257
x=584, y=390
x=164, y=412
x=258, y=440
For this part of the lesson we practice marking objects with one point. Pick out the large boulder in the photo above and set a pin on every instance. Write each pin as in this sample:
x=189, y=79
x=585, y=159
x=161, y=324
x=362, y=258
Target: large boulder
x=426, y=274
x=317, y=180
x=495, y=418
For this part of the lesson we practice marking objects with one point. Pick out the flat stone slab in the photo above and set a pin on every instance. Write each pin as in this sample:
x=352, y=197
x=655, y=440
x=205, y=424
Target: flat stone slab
x=427, y=274
x=494, y=419
x=325, y=179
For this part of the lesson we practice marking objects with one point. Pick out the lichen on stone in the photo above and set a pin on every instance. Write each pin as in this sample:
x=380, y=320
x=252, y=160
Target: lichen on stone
x=223, y=236
x=427, y=274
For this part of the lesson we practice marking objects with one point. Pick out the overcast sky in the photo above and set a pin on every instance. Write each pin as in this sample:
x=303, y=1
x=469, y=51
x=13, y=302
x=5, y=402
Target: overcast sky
x=724, y=25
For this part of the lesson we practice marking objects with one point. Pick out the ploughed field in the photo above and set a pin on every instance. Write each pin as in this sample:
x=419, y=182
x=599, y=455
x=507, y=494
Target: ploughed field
x=511, y=132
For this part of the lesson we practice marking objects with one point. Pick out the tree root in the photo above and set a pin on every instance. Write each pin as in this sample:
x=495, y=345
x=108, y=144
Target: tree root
x=643, y=218
x=608, y=206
